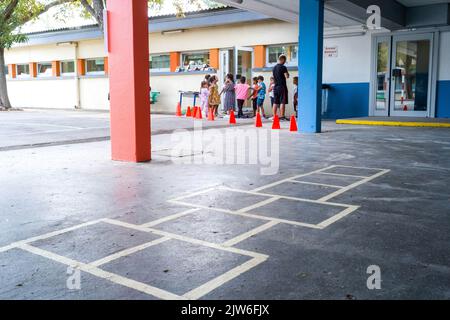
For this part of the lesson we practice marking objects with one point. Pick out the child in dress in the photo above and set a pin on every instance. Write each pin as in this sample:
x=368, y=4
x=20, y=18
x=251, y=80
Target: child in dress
x=204, y=95
x=228, y=90
x=242, y=90
x=214, y=97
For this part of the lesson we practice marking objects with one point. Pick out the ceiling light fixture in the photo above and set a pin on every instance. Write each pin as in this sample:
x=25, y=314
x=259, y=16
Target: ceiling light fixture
x=172, y=31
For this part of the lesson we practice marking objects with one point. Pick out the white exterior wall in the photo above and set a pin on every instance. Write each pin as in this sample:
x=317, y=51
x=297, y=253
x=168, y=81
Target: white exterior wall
x=59, y=93
x=94, y=93
x=352, y=65
x=39, y=53
x=91, y=49
x=257, y=33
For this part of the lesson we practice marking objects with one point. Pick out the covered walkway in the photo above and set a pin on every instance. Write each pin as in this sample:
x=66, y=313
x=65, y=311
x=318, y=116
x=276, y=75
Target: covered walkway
x=235, y=213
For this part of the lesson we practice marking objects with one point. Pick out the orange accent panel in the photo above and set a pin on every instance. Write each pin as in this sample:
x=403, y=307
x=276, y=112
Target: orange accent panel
x=214, y=58
x=12, y=71
x=260, y=57
x=106, y=66
x=174, y=61
x=81, y=67
x=33, y=69
x=129, y=80
x=56, y=68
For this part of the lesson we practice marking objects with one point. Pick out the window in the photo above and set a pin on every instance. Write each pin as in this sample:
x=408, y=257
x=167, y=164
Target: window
x=95, y=66
x=194, y=60
x=6, y=70
x=45, y=69
x=160, y=62
x=273, y=52
x=23, y=70
x=67, y=68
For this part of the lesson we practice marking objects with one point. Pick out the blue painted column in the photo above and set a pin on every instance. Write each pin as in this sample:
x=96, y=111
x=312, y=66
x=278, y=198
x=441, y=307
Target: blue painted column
x=310, y=60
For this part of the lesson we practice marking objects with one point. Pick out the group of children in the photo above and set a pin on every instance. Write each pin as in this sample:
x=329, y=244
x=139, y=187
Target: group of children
x=210, y=96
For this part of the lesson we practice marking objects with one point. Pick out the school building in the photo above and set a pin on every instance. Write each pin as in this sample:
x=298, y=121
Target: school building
x=404, y=71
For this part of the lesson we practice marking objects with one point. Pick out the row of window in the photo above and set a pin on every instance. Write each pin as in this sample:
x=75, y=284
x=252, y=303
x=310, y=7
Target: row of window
x=158, y=62
x=161, y=62
x=67, y=68
x=273, y=52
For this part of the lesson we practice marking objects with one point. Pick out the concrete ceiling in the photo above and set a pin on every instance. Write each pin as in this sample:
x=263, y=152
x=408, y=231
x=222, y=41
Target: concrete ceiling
x=288, y=10
x=345, y=13
x=416, y=3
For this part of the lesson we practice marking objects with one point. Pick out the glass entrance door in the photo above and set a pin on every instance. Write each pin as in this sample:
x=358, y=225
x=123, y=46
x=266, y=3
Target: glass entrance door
x=403, y=66
x=383, y=76
x=244, y=63
x=411, y=75
x=226, y=64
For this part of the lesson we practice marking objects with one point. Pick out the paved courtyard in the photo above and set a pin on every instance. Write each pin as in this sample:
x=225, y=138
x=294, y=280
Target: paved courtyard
x=178, y=228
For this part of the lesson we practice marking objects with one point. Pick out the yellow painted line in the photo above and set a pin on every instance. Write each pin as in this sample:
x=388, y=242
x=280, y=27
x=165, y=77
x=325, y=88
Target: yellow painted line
x=395, y=123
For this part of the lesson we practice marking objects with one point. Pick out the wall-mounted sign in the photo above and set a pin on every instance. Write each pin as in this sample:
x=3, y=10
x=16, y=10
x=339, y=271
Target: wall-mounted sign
x=331, y=52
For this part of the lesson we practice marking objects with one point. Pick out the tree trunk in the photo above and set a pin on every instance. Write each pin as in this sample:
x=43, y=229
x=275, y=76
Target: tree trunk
x=4, y=99
x=98, y=8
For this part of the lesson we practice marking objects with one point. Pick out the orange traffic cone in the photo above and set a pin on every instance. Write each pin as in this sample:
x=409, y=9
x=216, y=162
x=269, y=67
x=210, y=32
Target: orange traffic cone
x=276, y=123
x=258, y=120
x=199, y=113
x=211, y=115
x=178, y=113
x=194, y=113
x=294, y=127
x=188, y=112
x=232, y=118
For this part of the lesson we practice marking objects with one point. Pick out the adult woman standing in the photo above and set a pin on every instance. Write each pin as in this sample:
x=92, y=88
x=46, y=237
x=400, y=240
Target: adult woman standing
x=229, y=100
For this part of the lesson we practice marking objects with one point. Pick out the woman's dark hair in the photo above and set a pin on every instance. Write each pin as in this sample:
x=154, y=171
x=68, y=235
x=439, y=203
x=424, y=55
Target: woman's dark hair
x=243, y=79
x=230, y=77
x=212, y=79
x=261, y=78
x=255, y=79
x=207, y=77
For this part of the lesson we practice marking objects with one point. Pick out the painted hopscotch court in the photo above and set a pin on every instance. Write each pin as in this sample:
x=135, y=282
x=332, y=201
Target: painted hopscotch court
x=128, y=262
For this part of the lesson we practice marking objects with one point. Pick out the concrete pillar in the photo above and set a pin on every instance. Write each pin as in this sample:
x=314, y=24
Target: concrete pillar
x=128, y=64
x=310, y=60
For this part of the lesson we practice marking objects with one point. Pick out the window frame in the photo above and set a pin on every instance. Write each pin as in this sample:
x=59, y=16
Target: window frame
x=19, y=76
x=43, y=75
x=159, y=69
x=289, y=63
x=67, y=74
x=94, y=73
x=204, y=52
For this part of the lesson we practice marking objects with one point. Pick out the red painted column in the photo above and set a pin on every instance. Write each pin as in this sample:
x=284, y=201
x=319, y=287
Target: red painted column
x=128, y=66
